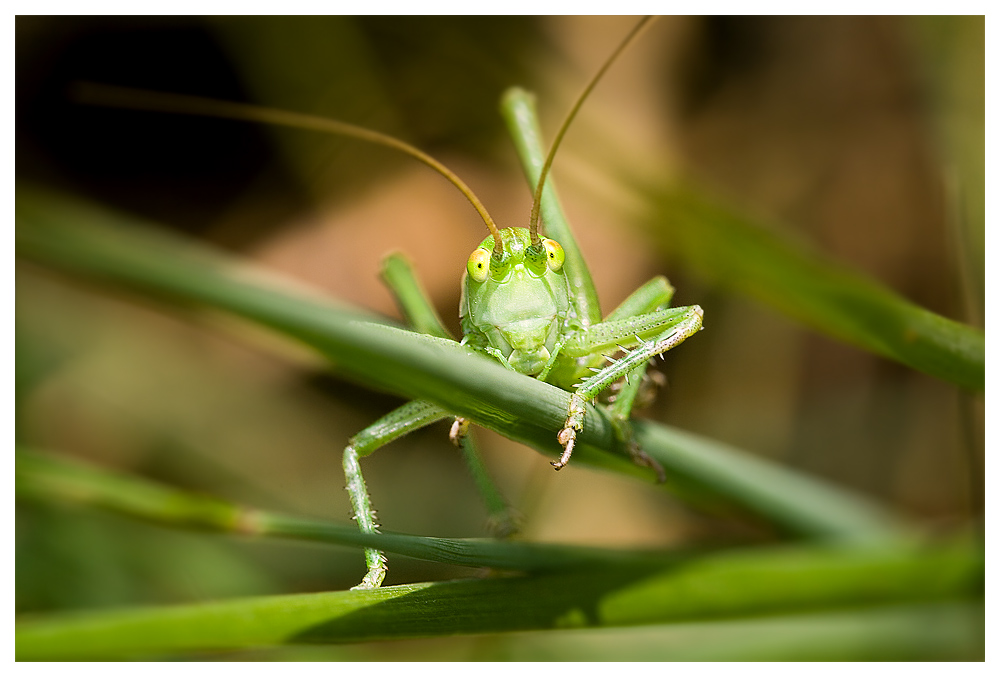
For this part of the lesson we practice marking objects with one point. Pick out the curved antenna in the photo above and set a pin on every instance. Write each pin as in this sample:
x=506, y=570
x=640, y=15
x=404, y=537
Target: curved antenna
x=125, y=97
x=537, y=198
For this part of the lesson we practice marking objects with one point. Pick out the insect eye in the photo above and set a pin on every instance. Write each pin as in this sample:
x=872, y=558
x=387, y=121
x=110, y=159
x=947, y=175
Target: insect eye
x=554, y=254
x=479, y=265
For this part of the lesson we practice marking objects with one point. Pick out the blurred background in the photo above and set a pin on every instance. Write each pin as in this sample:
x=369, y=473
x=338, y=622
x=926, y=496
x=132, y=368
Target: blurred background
x=860, y=137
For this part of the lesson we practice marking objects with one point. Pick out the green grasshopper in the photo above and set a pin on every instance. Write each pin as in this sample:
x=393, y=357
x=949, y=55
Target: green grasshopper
x=527, y=301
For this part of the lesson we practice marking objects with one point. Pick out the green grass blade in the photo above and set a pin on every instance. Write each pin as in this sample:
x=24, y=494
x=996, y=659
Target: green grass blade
x=895, y=633
x=397, y=274
x=50, y=477
x=80, y=238
x=729, y=248
x=700, y=466
x=729, y=585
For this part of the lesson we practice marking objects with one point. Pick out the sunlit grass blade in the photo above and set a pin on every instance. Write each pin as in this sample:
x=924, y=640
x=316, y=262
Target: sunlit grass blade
x=724, y=585
x=80, y=238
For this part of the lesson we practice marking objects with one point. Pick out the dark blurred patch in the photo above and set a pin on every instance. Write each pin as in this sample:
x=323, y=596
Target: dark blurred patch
x=442, y=76
x=447, y=73
x=725, y=49
x=178, y=170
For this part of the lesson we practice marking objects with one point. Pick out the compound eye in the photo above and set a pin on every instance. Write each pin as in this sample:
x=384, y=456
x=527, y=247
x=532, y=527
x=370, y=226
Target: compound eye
x=479, y=265
x=554, y=254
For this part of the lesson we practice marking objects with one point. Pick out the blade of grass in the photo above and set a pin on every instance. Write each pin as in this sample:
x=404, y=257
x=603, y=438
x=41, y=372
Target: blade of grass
x=80, y=238
x=711, y=466
x=49, y=477
x=732, y=249
x=730, y=585
x=913, y=632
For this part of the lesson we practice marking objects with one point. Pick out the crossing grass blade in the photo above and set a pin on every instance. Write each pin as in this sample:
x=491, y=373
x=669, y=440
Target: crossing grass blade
x=80, y=238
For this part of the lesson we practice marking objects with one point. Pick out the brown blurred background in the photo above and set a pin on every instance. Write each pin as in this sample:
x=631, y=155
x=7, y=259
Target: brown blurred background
x=859, y=136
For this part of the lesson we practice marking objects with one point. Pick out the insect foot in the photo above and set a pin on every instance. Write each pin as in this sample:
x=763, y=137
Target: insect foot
x=567, y=438
x=459, y=430
x=376, y=574
x=574, y=424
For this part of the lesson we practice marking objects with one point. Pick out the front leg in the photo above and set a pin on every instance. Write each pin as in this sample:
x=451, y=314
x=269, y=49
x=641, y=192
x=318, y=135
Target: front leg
x=407, y=418
x=674, y=326
x=573, y=425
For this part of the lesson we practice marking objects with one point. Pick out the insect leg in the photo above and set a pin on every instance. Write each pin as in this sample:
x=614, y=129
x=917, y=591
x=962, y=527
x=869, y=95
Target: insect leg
x=654, y=295
x=411, y=416
x=543, y=374
x=652, y=334
x=621, y=421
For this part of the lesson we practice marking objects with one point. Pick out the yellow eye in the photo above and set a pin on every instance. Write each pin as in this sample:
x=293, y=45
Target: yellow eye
x=554, y=253
x=479, y=265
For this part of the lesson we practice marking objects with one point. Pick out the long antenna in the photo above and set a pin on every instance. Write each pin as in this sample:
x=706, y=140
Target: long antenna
x=537, y=199
x=140, y=99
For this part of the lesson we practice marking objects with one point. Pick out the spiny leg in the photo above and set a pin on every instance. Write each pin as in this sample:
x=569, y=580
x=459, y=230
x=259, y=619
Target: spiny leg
x=621, y=420
x=411, y=416
x=674, y=325
x=654, y=295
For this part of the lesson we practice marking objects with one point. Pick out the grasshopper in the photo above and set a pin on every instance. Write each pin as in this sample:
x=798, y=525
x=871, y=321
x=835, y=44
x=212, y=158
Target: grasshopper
x=527, y=301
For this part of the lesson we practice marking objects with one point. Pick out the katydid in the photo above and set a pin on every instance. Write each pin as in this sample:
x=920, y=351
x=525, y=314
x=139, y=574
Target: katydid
x=527, y=301
x=534, y=309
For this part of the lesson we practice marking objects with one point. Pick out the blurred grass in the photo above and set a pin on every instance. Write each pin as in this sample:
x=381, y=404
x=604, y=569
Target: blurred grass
x=732, y=250
x=950, y=51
